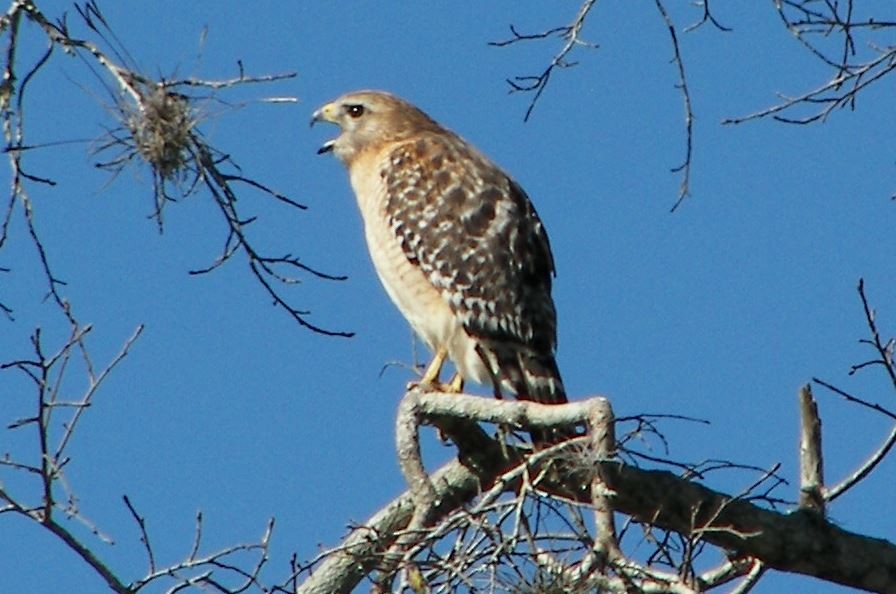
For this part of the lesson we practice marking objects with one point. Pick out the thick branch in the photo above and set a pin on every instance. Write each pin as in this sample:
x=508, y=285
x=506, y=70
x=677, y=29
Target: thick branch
x=360, y=552
x=89, y=557
x=480, y=461
x=800, y=542
x=811, y=461
x=603, y=441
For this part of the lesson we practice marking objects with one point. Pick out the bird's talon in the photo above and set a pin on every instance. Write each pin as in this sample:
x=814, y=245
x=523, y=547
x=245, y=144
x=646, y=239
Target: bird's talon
x=430, y=386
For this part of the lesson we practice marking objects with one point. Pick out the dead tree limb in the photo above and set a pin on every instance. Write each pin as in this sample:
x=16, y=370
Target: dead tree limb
x=799, y=542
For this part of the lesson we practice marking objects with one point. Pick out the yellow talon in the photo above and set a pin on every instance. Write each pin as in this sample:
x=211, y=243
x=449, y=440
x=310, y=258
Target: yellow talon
x=431, y=376
x=456, y=385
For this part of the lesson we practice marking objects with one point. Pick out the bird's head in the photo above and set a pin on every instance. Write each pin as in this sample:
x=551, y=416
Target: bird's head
x=368, y=119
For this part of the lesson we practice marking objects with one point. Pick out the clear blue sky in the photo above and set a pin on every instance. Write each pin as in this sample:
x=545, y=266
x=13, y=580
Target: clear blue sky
x=719, y=311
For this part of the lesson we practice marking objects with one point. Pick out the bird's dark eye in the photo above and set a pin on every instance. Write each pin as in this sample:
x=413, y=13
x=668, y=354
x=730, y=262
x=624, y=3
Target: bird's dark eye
x=355, y=111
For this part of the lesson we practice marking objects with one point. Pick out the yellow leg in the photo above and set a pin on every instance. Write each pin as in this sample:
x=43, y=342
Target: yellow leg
x=456, y=384
x=431, y=376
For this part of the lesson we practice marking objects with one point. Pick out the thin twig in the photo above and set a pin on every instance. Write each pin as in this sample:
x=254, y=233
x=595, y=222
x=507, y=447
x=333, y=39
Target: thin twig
x=144, y=535
x=684, y=189
x=822, y=21
x=855, y=399
x=537, y=84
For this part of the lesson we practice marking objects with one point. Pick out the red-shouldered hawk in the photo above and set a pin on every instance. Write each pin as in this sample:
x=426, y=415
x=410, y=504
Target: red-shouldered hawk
x=456, y=243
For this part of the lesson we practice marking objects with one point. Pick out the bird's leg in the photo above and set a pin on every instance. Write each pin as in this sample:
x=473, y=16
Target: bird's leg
x=431, y=376
x=456, y=385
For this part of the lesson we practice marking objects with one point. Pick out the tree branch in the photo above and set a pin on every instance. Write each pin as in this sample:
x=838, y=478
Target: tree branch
x=811, y=460
x=537, y=84
x=798, y=542
x=815, y=23
x=685, y=168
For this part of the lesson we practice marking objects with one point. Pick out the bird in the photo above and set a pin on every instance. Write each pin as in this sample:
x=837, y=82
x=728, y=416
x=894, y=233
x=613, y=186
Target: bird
x=456, y=243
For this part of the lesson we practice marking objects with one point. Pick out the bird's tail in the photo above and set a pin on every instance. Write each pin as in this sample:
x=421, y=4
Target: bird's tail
x=541, y=380
x=542, y=383
x=535, y=378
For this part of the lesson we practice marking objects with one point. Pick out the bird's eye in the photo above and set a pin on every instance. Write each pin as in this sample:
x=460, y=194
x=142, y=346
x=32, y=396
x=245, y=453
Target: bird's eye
x=355, y=111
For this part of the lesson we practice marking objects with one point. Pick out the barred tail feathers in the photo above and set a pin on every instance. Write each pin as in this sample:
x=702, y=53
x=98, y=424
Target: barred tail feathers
x=528, y=376
x=541, y=379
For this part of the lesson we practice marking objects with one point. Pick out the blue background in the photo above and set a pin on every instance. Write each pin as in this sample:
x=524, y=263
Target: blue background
x=719, y=311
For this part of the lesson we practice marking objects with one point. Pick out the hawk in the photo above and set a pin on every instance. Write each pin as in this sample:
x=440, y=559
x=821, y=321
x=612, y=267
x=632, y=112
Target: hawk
x=455, y=241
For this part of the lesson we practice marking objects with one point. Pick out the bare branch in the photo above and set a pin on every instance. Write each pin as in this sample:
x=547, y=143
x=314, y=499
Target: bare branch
x=871, y=463
x=201, y=571
x=730, y=570
x=158, y=127
x=855, y=399
x=262, y=267
x=47, y=369
x=570, y=33
x=864, y=470
x=811, y=461
x=685, y=168
x=789, y=542
x=884, y=348
x=95, y=383
x=707, y=18
x=518, y=414
x=144, y=536
x=883, y=358
x=813, y=24
x=359, y=553
x=89, y=557
x=756, y=571
x=536, y=84
x=408, y=445
x=602, y=423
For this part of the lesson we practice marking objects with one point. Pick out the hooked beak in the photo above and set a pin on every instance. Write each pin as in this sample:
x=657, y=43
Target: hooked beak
x=327, y=113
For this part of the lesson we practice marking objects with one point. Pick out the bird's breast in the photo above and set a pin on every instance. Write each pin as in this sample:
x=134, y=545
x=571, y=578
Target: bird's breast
x=408, y=287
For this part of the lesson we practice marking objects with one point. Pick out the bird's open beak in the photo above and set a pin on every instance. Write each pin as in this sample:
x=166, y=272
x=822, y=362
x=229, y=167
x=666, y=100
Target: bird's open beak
x=327, y=113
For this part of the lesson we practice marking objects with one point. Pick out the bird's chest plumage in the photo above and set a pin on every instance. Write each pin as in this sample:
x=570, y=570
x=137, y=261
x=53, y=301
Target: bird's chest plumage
x=408, y=287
